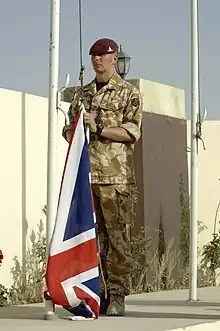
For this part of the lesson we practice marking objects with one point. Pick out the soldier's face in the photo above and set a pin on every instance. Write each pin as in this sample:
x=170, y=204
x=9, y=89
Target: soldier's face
x=103, y=63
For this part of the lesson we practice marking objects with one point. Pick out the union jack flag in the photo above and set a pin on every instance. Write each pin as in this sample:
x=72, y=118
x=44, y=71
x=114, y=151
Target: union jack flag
x=72, y=270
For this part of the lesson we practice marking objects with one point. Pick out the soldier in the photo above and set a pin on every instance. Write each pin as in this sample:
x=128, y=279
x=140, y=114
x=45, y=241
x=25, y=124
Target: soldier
x=113, y=114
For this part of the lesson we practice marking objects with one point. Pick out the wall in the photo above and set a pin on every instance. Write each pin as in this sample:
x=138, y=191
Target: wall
x=164, y=161
x=161, y=99
x=23, y=170
x=208, y=178
x=161, y=158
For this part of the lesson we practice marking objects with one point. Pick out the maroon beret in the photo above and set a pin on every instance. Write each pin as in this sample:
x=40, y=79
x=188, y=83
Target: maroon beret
x=103, y=46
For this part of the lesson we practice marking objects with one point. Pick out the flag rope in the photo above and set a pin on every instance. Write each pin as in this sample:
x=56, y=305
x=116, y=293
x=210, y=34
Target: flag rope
x=81, y=76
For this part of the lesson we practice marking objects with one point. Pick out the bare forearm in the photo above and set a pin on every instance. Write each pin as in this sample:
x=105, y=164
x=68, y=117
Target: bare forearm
x=116, y=134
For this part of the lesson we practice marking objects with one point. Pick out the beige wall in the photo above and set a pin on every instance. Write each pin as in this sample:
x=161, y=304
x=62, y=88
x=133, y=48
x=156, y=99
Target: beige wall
x=208, y=176
x=161, y=99
x=23, y=146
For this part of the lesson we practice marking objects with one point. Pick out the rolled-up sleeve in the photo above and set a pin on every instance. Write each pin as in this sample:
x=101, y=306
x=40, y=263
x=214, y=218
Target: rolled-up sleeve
x=133, y=115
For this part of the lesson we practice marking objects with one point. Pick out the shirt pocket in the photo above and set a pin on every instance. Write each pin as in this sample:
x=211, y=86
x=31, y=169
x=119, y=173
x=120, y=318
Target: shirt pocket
x=111, y=115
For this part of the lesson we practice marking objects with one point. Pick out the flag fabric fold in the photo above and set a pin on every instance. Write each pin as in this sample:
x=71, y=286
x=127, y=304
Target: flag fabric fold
x=72, y=274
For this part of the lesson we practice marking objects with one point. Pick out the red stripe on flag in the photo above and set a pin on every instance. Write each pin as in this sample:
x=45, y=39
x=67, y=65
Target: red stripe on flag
x=82, y=295
x=93, y=206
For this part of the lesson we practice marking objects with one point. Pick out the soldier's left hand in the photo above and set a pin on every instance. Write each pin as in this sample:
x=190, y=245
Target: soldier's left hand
x=89, y=119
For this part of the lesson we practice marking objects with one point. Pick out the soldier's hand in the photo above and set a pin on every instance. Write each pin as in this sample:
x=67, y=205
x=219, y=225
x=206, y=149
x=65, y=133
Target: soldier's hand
x=89, y=119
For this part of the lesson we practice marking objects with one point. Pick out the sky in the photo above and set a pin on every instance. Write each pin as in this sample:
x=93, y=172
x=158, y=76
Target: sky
x=155, y=33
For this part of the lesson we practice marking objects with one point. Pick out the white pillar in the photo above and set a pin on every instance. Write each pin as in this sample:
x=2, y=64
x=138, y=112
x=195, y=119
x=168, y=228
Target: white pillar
x=52, y=131
x=194, y=149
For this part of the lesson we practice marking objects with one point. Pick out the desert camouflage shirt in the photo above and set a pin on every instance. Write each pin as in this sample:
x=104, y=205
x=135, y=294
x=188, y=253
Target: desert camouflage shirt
x=118, y=104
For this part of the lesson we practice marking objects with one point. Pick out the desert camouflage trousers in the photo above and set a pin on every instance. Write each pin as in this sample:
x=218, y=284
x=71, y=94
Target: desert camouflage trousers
x=114, y=207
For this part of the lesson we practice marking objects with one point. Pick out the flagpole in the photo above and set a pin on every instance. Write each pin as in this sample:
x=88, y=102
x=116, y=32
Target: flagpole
x=52, y=133
x=194, y=149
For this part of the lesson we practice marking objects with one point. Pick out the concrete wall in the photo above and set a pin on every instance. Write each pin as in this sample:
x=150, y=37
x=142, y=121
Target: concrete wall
x=161, y=99
x=164, y=160
x=208, y=178
x=160, y=156
x=23, y=170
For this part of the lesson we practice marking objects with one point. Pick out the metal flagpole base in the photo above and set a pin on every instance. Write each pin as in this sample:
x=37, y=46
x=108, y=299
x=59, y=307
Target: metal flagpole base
x=49, y=314
x=193, y=300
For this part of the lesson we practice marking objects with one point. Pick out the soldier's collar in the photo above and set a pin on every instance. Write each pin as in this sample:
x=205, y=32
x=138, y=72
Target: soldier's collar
x=114, y=82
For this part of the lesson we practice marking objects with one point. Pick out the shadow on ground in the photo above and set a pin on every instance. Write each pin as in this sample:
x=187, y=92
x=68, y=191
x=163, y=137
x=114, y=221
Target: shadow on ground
x=33, y=313
x=136, y=314
x=173, y=303
x=37, y=313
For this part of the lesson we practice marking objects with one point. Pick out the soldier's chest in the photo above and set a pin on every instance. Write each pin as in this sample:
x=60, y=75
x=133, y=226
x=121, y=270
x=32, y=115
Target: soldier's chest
x=110, y=106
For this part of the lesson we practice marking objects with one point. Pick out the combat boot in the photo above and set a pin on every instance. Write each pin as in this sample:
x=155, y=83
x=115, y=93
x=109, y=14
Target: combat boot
x=116, y=306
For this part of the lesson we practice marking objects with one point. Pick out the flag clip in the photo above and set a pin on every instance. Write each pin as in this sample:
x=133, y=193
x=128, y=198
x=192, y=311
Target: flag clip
x=200, y=120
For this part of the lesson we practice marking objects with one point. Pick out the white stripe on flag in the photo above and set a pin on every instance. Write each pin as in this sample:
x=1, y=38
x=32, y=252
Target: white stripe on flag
x=68, y=285
x=69, y=181
x=73, y=242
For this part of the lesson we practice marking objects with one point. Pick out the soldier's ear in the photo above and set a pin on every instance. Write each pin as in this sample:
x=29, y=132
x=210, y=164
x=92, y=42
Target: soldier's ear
x=115, y=58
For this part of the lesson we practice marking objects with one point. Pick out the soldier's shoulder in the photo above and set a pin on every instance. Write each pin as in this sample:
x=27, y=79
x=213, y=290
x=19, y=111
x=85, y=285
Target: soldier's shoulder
x=123, y=84
x=132, y=88
x=134, y=94
x=70, y=92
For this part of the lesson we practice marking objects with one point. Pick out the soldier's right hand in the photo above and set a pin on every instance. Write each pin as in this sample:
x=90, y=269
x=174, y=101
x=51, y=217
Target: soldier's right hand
x=89, y=119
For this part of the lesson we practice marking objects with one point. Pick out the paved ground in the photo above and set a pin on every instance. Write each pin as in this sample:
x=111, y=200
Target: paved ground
x=160, y=311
